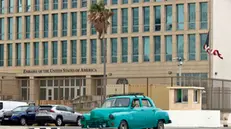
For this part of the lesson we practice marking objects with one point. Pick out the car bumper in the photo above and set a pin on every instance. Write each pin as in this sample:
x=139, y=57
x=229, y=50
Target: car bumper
x=47, y=119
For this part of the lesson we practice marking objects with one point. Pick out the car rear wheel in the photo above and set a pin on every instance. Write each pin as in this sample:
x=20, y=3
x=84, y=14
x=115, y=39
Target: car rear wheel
x=59, y=121
x=160, y=125
x=123, y=125
x=23, y=121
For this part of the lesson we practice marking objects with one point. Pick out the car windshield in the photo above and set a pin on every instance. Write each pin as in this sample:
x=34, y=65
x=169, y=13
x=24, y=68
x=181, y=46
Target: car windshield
x=116, y=102
x=20, y=109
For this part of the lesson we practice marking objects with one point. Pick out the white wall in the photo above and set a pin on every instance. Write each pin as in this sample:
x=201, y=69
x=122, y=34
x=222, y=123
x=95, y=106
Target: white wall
x=194, y=118
x=222, y=38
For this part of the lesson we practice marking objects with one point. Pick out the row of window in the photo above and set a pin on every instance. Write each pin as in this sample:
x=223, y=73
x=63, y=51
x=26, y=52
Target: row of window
x=28, y=6
x=26, y=32
x=42, y=48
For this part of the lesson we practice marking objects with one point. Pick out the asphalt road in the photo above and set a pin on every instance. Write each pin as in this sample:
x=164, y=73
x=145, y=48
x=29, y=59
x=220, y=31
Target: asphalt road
x=74, y=127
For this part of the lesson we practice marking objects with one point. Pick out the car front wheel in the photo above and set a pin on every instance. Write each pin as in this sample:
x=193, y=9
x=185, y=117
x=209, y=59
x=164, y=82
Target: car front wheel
x=160, y=125
x=23, y=121
x=123, y=125
x=59, y=121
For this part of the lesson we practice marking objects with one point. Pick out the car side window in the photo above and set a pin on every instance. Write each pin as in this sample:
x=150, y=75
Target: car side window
x=136, y=103
x=32, y=109
x=69, y=109
x=61, y=108
x=146, y=103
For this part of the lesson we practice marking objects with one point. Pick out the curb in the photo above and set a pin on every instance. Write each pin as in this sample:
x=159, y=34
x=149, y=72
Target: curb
x=45, y=128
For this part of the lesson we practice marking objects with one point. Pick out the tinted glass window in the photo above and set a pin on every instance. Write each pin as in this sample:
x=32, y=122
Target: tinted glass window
x=31, y=108
x=120, y=102
x=61, y=108
x=69, y=109
x=1, y=105
x=48, y=108
x=20, y=109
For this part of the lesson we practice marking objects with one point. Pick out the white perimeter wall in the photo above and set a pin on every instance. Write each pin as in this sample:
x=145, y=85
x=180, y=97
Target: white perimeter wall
x=221, y=26
x=194, y=118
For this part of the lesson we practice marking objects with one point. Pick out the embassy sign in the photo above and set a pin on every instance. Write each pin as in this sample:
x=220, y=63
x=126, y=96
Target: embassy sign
x=60, y=70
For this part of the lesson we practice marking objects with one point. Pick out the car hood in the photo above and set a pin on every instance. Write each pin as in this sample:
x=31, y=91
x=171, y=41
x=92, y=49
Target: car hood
x=105, y=112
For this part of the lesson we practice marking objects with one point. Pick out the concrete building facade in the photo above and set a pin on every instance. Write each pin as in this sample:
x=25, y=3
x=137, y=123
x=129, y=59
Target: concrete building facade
x=49, y=39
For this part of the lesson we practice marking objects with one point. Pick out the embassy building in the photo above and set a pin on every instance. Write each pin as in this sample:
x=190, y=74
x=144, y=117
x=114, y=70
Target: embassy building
x=49, y=39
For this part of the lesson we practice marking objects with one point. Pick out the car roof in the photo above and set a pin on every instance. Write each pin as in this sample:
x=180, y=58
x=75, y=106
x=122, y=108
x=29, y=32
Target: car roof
x=129, y=96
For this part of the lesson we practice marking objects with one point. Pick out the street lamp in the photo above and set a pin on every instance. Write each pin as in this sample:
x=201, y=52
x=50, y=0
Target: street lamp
x=180, y=63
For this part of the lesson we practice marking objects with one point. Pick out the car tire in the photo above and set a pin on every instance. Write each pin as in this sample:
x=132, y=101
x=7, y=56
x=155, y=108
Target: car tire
x=78, y=121
x=160, y=125
x=23, y=121
x=59, y=121
x=123, y=125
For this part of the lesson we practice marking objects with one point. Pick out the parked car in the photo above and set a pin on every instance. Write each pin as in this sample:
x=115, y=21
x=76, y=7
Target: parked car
x=126, y=111
x=23, y=115
x=58, y=114
x=8, y=106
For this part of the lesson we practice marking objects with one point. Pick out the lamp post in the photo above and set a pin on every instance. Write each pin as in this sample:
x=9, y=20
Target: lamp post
x=180, y=63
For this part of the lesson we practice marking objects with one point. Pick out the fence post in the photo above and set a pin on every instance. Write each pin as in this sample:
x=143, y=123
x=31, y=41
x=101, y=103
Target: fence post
x=171, y=81
x=147, y=86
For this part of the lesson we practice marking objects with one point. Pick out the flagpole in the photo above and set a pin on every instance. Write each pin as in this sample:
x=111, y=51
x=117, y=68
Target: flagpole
x=210, y=37
x=209, y=100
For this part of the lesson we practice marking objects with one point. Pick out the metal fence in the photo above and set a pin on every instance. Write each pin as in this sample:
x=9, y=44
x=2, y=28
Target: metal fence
x=217, y=94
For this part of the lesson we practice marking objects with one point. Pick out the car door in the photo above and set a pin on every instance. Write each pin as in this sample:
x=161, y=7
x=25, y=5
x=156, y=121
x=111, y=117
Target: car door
x=149, y=113
x=30, y=113
x=138, y=114
x=71, y=115
x=62, y=111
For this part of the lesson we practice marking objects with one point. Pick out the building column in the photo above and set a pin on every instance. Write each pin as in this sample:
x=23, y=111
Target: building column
x=98, y=51
x=5, y=55
x=23, y=54
x=49, y=53
x=130, y=46
x=88, y=51
x=34, y=89
x=90, y=86
x=78, y=52
x=174, y=46
x=141, y=50
x=108, y=47
x=119, y=51
x=50, y=24
x=162, y=51
x=151, y=49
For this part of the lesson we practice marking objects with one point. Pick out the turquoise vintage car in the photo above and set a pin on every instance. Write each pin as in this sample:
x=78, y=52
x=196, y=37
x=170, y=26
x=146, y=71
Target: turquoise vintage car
x=131, y=111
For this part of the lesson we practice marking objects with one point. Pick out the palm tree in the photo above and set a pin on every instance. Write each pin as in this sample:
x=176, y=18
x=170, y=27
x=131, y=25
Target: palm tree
x=98, y=17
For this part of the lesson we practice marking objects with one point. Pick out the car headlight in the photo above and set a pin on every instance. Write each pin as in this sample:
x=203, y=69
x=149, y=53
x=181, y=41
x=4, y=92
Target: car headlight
x=111, y=116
